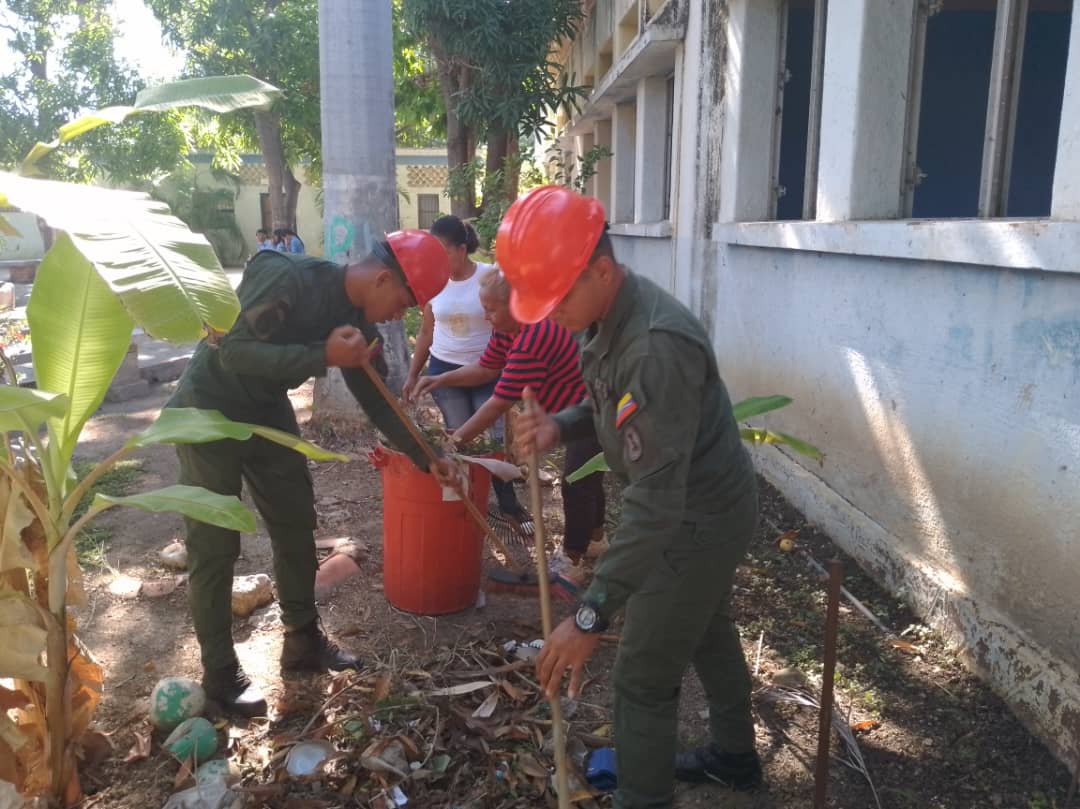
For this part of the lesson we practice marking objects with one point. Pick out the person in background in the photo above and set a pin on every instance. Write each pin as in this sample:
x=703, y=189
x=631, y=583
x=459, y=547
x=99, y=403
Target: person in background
x=292, y=242
x=454, y=333
x=262, y=240
x=662, y=414
x=298, y=317
x=544, y=357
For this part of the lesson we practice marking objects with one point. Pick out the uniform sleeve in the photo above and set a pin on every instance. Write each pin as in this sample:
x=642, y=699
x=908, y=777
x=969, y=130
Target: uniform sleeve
x=383, y=416
x=268, y=297
x=658, y=437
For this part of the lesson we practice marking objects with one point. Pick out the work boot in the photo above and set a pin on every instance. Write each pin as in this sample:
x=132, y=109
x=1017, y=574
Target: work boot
x=740, y=772
x=234, y=691
x=307, y=648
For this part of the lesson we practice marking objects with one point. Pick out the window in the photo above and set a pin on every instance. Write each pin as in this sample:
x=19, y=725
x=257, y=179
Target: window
x=987, y=83
x=427, y=210
x=669, y=137
x=802, y=49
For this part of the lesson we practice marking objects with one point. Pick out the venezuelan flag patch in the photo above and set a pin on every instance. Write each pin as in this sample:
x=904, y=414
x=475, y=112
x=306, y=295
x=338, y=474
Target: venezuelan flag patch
x=627, y=407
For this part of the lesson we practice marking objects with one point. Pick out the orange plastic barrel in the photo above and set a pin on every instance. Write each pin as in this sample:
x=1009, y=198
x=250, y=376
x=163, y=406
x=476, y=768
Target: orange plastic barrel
x=432, y=547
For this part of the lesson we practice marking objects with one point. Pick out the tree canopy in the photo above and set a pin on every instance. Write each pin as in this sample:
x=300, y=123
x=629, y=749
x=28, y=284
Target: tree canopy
x=273, y=40
x=64, y=62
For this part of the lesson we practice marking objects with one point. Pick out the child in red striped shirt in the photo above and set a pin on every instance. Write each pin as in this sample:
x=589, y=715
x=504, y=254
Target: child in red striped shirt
x=542, y=356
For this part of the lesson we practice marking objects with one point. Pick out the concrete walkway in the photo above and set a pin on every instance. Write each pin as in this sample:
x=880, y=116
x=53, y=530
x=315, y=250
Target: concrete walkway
x=151, y=361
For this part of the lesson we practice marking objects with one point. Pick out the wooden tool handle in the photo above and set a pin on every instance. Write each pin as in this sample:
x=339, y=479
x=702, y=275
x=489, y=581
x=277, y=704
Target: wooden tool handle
x=414, y=431
x=562, y=782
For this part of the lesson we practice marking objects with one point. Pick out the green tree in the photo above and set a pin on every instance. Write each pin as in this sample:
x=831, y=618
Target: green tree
x=273, y=40
x=498, y=81
x=64, y=62
x=419, y=111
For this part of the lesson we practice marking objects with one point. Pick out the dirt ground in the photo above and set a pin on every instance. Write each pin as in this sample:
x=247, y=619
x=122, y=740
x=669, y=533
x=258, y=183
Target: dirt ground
x=931, y=735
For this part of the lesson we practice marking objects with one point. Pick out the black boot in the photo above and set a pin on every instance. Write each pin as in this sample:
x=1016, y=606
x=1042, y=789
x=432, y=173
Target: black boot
x=738, y=771
x=307, y=648
x=234, y=691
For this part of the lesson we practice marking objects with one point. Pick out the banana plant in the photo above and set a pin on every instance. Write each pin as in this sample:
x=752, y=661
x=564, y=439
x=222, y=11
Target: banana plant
x=120, y=260
x=746, y=409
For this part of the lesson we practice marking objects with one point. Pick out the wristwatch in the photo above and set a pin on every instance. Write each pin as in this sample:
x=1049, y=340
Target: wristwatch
x=587, y=619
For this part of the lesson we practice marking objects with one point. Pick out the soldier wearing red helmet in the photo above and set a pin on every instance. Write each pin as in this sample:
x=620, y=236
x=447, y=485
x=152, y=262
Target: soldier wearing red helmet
x=299, y=316
x=661, y=413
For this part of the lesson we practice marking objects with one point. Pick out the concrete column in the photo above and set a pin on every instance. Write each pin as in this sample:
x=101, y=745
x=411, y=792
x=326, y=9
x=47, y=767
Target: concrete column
x=649, y=154
x=602, y=134
x=624, y=162
x=1066, y=198
x=864, y=108
x=752, y=81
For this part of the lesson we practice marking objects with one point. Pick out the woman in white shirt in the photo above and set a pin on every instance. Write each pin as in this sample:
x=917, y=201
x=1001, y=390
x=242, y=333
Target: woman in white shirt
x=454, y=333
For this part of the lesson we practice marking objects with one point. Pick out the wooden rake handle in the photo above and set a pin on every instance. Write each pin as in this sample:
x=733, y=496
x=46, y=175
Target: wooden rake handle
x=414, y=431
x=562, y=781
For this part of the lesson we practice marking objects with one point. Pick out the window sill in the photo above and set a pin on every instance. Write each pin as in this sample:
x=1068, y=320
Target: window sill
x=643, y=230
x=1022, y=244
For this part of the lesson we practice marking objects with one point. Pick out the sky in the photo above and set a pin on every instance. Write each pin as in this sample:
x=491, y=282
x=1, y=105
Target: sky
x=139, y=43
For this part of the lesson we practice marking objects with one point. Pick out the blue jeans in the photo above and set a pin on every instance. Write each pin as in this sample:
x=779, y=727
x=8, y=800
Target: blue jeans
x=457, y=406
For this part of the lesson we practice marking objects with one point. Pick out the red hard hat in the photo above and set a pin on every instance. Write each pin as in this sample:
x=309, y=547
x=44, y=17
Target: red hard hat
x=544, y=242
x=424, y=261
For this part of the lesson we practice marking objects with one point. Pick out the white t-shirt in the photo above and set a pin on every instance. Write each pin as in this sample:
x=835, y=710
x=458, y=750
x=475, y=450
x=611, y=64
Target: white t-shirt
x=461, y=333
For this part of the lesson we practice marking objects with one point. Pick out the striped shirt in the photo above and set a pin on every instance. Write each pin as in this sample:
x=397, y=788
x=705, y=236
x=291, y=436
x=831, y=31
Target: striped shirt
x=543, y=356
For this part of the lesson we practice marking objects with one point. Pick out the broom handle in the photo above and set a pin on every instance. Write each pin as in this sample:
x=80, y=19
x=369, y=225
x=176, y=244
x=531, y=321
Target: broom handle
x=536, y=499
x=414, y=431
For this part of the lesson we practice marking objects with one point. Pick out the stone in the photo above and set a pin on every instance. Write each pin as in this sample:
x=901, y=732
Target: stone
x=174, y=555
x=251, y=592
x=175, y=700
x=125, y=587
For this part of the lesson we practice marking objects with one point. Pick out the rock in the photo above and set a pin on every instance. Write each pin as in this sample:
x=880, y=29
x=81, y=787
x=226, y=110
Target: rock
x=333, y=571
x=174, y=555
x=193, y=738
x=159, y=588
x=251, y=592
x=789, y=678
x=266, y=619
x=125, y=587
x=175, y=700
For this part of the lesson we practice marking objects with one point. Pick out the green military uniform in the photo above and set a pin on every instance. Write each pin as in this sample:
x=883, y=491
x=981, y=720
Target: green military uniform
x=664, y=420
x=289, y=306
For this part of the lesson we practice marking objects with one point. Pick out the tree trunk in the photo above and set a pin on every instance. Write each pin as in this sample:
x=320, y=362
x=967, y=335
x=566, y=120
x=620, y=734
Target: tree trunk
x=460, y=139
x=502, y=152
x=268, y=126
x=292, y=195
x=359, y=167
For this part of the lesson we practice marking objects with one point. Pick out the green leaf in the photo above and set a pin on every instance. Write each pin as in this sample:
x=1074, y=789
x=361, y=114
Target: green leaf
x=215, y=93
x=80, y=336
x=756, y=405
x=26, y=409
x=756, y=435
x=597, y=463
x=195, y=502
x=189, y=425
x=167, y=277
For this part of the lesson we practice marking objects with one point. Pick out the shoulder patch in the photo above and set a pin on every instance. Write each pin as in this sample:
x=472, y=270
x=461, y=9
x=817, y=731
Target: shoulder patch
x=627, y=407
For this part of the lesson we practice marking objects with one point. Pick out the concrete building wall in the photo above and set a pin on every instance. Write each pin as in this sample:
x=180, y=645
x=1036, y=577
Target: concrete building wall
x=936, y=362
x=27, y=245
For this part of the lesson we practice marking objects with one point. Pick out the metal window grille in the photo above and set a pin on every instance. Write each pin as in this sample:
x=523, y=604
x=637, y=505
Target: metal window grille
x=427, y=210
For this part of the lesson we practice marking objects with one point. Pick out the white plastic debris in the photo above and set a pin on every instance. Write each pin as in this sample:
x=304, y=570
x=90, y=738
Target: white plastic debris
x=213, y=795
x=398, y=797
x=509, y=646
x=307, y=757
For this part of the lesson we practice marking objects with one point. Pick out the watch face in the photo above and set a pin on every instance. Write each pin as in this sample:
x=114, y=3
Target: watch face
x=586, y=618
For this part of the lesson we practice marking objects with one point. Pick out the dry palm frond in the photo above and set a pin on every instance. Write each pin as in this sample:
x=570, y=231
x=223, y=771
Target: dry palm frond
x=853, y=757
